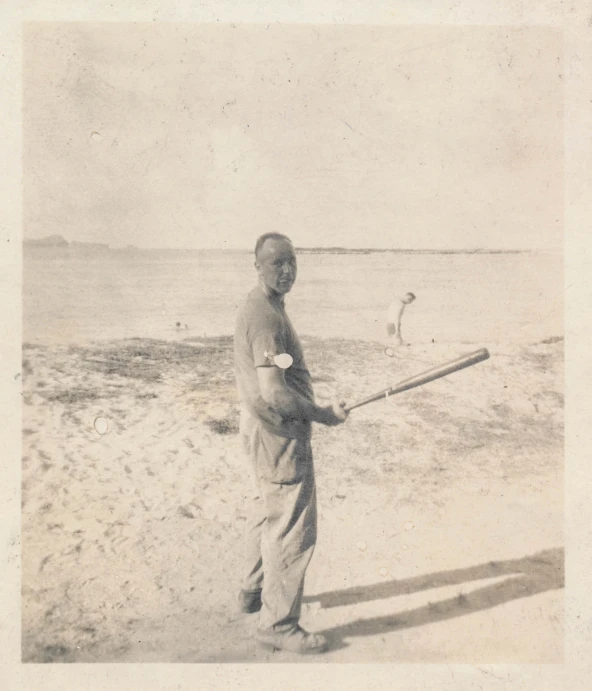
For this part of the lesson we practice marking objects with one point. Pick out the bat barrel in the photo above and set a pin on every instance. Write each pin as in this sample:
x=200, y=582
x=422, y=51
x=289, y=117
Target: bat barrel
x=426, y=377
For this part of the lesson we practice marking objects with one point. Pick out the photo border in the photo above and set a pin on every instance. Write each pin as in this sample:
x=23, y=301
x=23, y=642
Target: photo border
x=575, y=20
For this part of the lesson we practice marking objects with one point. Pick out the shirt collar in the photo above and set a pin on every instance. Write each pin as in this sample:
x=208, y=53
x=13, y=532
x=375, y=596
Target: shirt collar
x=271, y=295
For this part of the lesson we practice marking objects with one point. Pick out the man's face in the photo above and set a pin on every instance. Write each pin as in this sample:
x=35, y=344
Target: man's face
x=276, y=264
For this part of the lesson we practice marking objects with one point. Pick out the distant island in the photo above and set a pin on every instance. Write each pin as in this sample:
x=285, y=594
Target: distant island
x=58, y=244
x=50, y=241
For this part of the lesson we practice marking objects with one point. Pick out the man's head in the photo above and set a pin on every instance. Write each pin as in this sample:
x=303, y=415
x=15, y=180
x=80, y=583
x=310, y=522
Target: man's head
x=408, y=298
x=275, y=261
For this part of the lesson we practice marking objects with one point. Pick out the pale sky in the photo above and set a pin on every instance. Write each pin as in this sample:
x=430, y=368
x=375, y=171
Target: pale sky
x=191, y=136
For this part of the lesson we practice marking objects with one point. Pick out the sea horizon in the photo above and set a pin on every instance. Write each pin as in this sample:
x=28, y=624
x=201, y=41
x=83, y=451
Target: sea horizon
x=58, y=244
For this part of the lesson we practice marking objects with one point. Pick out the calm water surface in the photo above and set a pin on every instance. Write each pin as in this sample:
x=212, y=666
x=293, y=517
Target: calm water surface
x=468, y=298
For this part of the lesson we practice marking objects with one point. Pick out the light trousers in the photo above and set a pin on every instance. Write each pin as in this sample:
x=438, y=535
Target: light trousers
x=281, y=527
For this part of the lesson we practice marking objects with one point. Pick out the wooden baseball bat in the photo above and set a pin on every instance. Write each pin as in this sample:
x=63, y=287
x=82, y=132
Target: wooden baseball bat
x=427, y=376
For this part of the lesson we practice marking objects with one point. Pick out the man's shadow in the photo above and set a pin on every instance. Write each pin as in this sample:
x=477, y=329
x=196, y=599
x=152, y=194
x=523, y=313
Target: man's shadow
x=527, y=576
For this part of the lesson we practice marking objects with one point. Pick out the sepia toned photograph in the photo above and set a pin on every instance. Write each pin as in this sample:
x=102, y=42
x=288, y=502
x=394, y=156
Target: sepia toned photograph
x=293, y=343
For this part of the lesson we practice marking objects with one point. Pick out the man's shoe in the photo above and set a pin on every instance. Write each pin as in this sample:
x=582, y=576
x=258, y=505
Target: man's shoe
x=249, y=601
x=295, y=641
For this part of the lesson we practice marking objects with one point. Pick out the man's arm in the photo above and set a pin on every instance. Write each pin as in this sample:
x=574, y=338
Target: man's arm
x=290, y=404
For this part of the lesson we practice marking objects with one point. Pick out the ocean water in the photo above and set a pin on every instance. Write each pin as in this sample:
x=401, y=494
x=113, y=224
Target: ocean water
x=461, y=298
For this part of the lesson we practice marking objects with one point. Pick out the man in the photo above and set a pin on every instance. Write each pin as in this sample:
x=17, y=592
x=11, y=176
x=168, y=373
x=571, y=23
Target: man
x=393, y=320
x=277, y=409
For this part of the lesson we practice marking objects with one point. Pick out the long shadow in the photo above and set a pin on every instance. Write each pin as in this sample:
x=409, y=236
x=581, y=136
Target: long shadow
x=529, y=576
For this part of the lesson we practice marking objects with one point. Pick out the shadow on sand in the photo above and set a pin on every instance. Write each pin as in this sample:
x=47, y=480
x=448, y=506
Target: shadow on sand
x=527, y=576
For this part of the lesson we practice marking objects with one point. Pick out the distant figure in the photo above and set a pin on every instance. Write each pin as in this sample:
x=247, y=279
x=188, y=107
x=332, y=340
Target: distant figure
x=178, y=325
x=394, y=317
x=186, y=327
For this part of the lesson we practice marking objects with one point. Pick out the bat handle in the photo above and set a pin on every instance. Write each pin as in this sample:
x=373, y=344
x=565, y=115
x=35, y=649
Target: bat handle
x=354, y=405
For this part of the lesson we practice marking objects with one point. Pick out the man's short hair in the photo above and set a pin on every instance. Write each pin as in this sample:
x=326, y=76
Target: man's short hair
x=269, y=236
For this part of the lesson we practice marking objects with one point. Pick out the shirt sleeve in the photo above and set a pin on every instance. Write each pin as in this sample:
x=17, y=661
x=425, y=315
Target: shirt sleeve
x=265, y=346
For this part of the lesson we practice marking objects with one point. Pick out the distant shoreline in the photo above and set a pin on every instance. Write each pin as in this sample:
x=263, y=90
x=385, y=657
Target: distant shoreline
x=340, y=250
x=65, y=248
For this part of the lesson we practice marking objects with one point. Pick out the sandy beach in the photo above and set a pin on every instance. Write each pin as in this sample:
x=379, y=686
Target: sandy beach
x=441, y=509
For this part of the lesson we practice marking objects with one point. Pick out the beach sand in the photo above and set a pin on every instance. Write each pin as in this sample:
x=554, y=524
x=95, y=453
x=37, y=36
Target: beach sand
x=440, y=509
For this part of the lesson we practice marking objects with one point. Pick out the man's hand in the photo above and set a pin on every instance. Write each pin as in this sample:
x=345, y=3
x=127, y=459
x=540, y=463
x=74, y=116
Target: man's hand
x=335, y=414
x=291, y=405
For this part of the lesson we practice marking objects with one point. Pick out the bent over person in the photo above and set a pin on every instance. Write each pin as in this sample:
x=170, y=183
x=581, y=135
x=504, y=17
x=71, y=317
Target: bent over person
x=395, y=316
x=277, y=409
